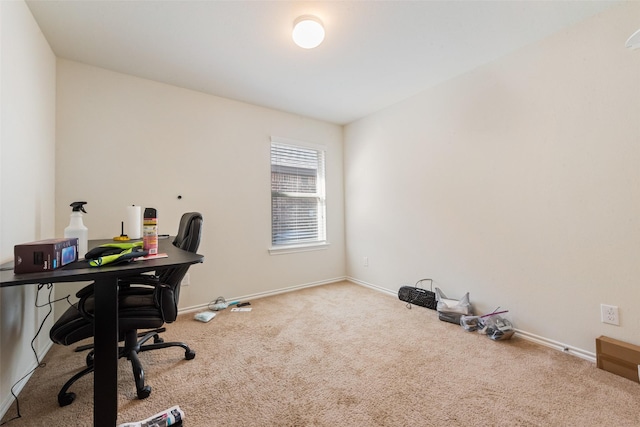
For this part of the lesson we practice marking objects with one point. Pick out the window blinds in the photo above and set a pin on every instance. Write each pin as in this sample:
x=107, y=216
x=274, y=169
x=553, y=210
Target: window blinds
x=297, y=194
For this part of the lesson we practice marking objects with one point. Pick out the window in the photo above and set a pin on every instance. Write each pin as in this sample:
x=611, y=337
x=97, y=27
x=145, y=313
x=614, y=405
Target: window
x=297, y=194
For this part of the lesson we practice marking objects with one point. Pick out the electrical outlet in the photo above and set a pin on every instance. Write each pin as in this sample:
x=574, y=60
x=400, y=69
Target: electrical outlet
x=185, y=280
x=609, y=314
x=365, y=261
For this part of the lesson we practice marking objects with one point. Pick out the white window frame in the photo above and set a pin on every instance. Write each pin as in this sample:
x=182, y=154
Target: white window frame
x=321, y=242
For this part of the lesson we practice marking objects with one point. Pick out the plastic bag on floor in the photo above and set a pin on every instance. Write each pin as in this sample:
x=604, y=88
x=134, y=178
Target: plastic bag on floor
x=495, y=326
x=451, y=310
x=170, y=417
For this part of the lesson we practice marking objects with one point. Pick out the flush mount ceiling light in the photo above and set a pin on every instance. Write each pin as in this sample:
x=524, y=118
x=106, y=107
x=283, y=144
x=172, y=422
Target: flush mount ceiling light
x=634, y=41
x=308, y=32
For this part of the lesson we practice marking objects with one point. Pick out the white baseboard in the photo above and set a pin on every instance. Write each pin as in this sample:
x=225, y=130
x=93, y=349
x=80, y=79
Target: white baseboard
x=374, y=287
x=266, y=293
x=565, y=348
x=7, y=401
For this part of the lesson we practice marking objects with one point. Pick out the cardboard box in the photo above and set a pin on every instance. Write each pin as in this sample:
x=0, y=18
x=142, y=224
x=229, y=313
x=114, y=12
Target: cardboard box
x=44, y=255
x=618, y=357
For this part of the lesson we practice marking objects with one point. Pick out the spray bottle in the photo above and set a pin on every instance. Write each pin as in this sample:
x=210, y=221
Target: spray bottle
x=77, y=229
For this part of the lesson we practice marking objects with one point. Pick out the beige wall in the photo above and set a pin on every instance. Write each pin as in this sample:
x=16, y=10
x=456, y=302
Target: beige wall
x=27, y=156
x=123, y=140
x=518, y=182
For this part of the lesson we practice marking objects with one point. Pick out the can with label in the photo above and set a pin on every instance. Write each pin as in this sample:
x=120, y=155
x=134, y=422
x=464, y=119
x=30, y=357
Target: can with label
x=150, y=231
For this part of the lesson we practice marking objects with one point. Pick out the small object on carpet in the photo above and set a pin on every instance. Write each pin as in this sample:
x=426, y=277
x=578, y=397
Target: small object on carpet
x=220, y=304
x=205, y=316
x=169, y=417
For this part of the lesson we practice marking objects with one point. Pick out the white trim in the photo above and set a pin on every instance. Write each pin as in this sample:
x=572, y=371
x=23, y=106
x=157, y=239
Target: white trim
x=267, y=293
x=297, y=143
x=565, y=348
x=305, y=247
x=374, y=287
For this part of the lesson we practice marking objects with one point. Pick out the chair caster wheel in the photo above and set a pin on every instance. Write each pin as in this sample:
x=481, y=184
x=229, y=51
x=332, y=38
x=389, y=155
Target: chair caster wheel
x=144, y=393
x=157, y=340
x=66, y=399
x=189, y=354
x=89, y=359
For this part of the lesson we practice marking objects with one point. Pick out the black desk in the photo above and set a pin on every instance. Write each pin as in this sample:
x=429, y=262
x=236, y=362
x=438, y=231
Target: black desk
x=105, y=379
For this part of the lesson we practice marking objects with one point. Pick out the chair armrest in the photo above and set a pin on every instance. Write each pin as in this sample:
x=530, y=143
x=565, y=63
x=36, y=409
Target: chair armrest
x=87, y=290
x=164, y=299
x=163, y=295
x=142, y=279
x=84, y=294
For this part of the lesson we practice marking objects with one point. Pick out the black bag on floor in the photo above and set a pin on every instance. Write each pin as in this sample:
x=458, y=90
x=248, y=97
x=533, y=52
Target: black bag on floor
x=418, y=296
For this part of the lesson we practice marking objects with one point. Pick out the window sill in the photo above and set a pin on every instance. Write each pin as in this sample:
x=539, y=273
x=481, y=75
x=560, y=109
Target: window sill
x=290, y=249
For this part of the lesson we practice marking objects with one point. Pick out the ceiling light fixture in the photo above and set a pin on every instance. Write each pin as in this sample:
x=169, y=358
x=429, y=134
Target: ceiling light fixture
x=308, y=32
x=634, y=41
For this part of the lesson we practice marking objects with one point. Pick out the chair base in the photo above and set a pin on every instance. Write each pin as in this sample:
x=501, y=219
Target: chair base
x=132, y=346
x=85, y=347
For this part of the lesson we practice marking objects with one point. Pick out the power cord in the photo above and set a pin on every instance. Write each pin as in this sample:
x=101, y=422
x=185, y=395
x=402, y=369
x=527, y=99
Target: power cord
x=38, y=363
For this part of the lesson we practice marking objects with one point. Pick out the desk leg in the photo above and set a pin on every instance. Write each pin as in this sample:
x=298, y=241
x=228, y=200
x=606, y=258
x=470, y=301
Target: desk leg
x=105, y=380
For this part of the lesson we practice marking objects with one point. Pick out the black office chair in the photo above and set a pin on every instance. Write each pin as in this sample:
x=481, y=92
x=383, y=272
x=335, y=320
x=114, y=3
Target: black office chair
x=145, y=302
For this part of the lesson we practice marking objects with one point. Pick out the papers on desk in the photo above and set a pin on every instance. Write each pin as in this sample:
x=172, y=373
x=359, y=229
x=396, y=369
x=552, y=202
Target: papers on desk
x=155, y=256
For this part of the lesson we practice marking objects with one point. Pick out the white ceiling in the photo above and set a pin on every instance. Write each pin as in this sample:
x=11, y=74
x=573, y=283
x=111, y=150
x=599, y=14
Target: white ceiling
x=375, y=54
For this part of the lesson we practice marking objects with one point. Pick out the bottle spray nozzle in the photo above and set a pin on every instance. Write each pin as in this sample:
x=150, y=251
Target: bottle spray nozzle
x=78, y=206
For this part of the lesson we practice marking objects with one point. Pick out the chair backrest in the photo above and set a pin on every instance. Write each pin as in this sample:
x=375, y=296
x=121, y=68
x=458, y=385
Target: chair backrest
x=188, y=239
x=189, y=232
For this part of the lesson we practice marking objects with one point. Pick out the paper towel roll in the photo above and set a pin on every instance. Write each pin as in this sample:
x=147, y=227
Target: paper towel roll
x=134, y=222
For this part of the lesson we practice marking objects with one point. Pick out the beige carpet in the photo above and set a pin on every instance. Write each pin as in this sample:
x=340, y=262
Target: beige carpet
x=344, y=355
